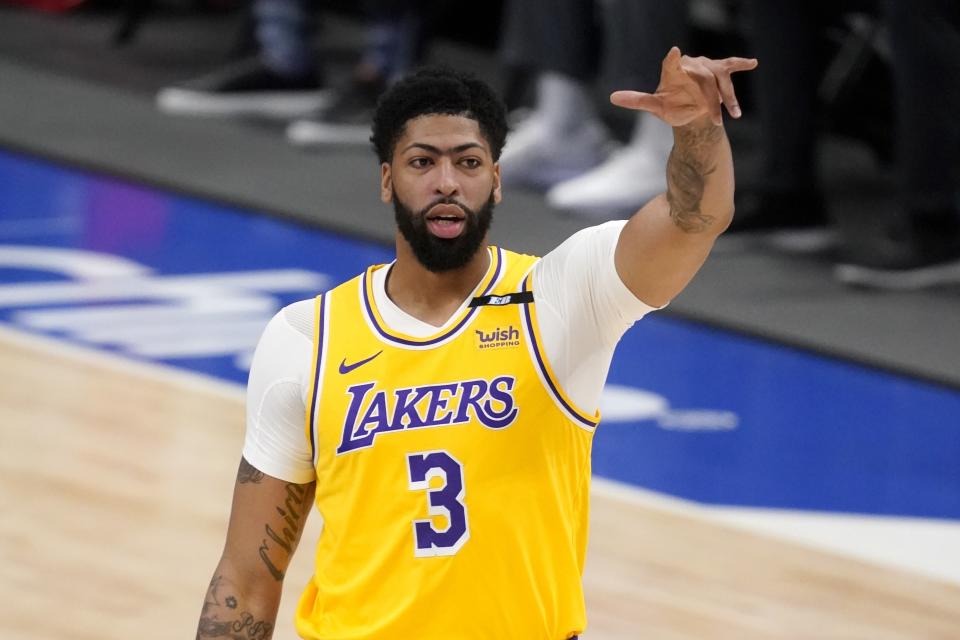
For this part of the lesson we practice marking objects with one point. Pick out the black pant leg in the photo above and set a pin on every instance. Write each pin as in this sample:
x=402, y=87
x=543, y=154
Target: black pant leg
x=638, y=34
x=551, y=35
x=925, y=47
x=783, y=38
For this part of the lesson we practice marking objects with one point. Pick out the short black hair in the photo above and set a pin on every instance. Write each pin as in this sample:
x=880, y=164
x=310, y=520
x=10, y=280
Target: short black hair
x=438, y=91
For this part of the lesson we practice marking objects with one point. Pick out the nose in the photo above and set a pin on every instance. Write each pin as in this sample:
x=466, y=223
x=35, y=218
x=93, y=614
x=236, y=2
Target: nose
x=447, y=183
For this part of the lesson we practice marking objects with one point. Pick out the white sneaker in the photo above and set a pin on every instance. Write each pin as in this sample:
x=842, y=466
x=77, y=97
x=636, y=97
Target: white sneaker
x=347, y=120
x=902, y=279
x=630, y=177
x=315, y=133
x=537, y=157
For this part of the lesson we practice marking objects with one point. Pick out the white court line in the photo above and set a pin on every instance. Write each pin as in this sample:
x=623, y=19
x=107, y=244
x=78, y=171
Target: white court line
x=919, y=545
x=924, y=546
x=180, y=378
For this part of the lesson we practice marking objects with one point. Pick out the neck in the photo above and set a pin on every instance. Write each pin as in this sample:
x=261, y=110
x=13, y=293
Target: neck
x=433, y=297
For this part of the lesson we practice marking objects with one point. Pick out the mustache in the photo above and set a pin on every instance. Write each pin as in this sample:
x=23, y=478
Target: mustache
x=445, y=200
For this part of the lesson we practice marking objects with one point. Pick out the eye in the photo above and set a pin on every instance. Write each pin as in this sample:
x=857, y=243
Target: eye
x=471, y=163
x=420, y=162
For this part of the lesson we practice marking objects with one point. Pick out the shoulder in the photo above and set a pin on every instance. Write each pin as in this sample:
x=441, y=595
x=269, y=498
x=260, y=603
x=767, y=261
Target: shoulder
x=582, y=256
x=351, y=284
x=287, y=336
x=516, y=267
x=580, y=276
x=600, y=240
x=293, y=320
x=284, y=353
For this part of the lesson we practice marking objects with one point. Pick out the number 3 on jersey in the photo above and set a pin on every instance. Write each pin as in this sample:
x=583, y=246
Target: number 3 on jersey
x=446, y=500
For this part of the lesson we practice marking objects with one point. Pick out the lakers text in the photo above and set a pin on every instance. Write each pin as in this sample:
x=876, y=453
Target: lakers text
x=375, y=411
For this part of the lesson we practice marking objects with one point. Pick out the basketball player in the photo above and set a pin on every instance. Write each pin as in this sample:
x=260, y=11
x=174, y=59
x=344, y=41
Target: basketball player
x=439, y=410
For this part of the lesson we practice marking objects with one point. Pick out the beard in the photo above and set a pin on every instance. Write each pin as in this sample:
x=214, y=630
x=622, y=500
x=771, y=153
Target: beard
x=443, y=254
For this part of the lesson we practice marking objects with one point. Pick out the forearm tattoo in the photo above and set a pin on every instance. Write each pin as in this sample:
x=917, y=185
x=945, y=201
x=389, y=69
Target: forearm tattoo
x=277, y=547
x=687, y=171
x=242, y=626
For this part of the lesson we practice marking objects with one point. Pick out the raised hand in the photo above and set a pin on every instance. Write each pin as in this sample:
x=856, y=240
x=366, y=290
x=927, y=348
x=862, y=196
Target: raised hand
x=689, y=88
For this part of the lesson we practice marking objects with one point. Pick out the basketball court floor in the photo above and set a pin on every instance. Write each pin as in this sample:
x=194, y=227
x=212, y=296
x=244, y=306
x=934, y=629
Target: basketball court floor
x=793, y=494
x=799, y=481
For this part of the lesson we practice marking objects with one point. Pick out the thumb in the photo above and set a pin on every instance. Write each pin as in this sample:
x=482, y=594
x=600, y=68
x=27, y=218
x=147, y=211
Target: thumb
x=637, y=100
x=672, y=61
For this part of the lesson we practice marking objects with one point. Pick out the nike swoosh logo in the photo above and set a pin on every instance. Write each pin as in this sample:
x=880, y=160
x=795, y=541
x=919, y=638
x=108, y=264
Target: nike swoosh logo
x=347, y=368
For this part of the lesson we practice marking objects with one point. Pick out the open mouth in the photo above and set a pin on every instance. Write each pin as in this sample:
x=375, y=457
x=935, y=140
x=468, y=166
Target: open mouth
x=446, y=220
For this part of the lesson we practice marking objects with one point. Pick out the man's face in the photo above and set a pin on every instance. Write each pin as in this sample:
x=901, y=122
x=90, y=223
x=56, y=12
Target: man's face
x=443, y=184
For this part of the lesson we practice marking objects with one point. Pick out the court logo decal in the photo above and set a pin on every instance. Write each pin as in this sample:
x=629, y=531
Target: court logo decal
x=628, y=404
x=121, y=305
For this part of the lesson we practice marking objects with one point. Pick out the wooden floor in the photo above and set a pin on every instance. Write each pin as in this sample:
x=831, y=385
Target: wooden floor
x=115, y=489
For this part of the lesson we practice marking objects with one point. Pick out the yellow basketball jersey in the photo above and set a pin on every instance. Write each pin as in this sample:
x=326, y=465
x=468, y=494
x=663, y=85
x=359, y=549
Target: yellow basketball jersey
x=452, y=473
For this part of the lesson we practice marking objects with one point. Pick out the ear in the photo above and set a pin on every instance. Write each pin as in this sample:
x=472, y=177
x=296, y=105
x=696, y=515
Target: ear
x=386, y=183
x=497, y=195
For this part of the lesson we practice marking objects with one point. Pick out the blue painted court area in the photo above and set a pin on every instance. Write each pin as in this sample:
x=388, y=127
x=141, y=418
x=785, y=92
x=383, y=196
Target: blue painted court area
x=690, y=411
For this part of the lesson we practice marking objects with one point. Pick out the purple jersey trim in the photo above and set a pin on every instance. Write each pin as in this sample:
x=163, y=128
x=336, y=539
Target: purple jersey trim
x=316, y=379
x=541, y=363
x=368, y=308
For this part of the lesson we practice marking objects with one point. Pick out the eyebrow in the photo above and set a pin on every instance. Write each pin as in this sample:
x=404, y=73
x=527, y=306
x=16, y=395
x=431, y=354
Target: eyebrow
x=438, y=151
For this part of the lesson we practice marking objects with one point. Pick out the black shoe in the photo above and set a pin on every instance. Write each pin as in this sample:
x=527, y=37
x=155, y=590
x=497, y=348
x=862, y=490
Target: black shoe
x=917, y=252
x=777, y=211
x=347, y=119
x=790, y=221
x=245, y=89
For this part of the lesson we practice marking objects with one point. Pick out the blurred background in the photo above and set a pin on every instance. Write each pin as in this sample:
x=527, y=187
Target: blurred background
x=172, y=172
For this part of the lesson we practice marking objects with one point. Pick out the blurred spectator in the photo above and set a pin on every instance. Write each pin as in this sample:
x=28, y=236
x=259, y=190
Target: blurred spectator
x=563, y=146
x=283, y=80
x=925, y=250
x=395, y=44
x=920, y=247
x=286, y=78
x=783, y=36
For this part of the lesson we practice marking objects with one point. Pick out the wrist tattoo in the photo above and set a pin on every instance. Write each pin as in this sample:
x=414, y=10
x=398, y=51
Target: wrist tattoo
x=687, y=171
x=245, y=627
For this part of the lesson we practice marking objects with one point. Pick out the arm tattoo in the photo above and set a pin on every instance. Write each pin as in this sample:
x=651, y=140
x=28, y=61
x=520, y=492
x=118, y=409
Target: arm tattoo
x=245, y=627
x=281, y=544
x=247, y=473
x=687, y=171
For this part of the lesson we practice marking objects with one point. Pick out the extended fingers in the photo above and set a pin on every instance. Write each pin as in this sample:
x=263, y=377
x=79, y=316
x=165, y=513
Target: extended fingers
x=701, y=72
x=739, y=64
x=676, y=96
x=725, y=84
x=671, y=63
x=727, y=94
x=637, y=100
x=720, y=71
